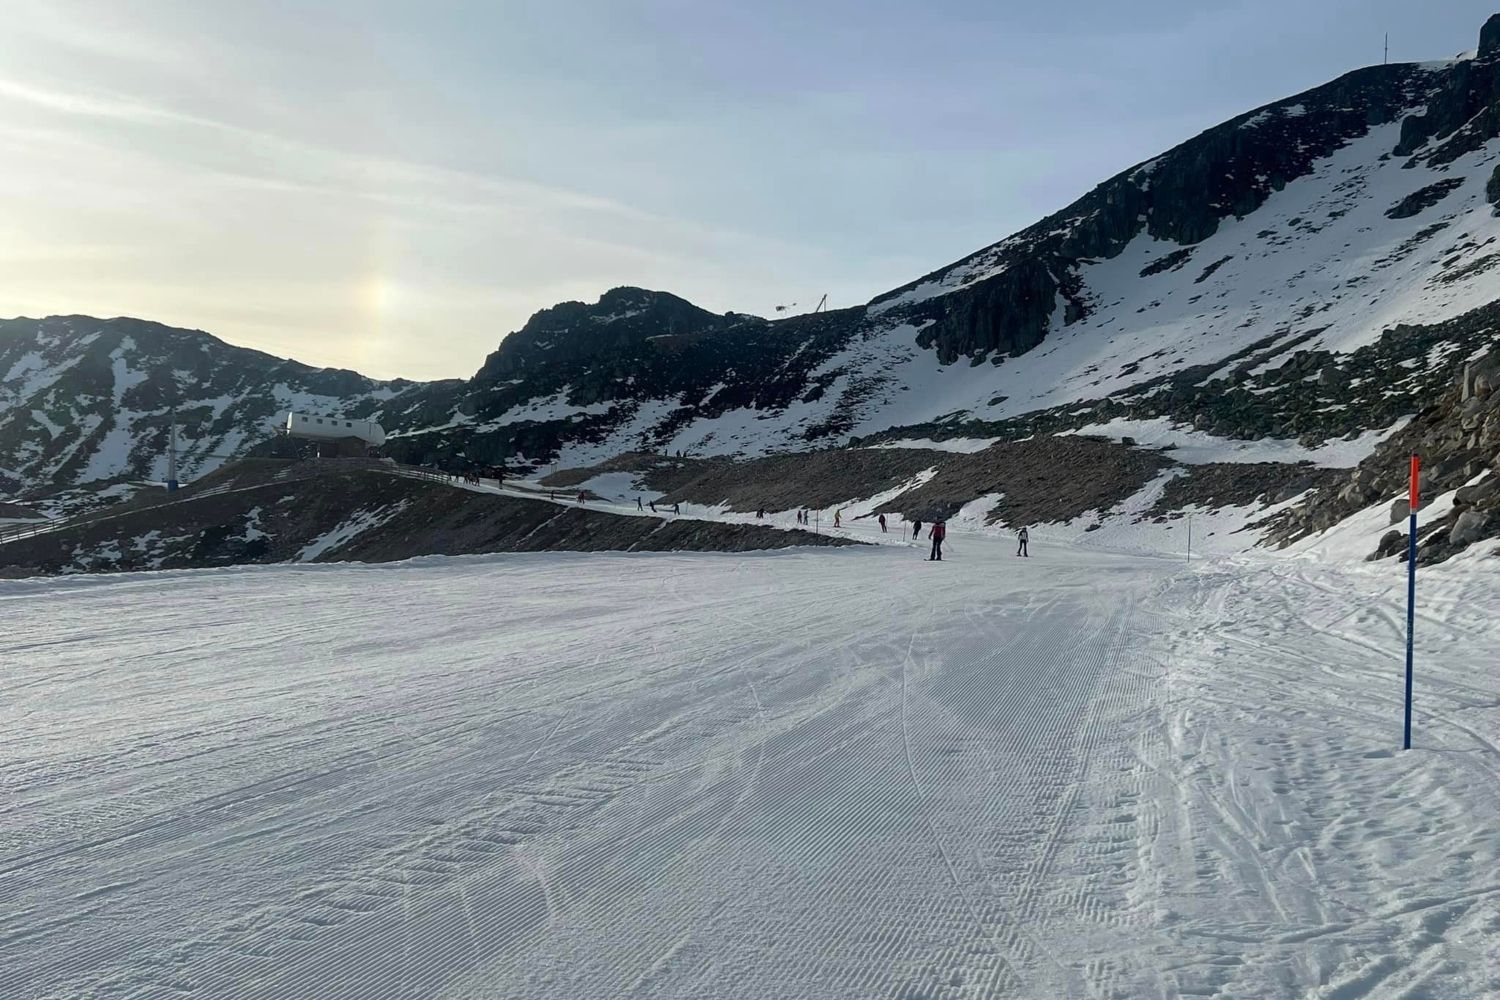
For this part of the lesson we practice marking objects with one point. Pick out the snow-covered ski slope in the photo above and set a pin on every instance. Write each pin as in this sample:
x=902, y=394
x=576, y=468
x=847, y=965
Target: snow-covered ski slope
x=848, y=773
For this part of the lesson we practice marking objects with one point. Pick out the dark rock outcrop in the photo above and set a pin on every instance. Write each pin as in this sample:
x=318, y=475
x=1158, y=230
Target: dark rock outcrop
x=1458, y=439
x=632, y=349
x=1424, y=198
x=1215, y=485
x=356, y=515
x=1463, y=112
x=1310, y=395
x=1039, y=478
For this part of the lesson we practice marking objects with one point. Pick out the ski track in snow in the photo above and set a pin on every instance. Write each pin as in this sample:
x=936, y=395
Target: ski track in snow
x=846, y=773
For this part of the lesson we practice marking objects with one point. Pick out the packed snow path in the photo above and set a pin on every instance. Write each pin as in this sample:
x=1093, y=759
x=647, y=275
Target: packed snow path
x=810, y=773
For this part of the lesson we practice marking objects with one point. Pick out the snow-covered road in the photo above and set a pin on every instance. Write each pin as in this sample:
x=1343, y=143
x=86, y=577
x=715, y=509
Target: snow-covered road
x=812, y=773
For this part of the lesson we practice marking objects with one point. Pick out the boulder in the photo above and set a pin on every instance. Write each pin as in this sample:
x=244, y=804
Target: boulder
x=1472, y=414
x=1400, y=510
x=1391, y=543
x=1468, y=496
x=1471, y=526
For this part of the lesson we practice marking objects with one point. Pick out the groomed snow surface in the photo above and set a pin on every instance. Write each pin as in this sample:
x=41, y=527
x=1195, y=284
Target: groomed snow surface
x=841, y=773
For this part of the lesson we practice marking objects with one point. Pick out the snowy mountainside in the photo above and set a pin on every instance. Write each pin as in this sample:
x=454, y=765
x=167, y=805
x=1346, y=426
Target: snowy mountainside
x=642, y=368
x=1315, y=269
x=85, y=399
x=1324, y=236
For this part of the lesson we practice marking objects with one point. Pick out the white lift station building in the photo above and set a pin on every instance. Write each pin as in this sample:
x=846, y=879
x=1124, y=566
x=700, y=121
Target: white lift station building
x=324, y=428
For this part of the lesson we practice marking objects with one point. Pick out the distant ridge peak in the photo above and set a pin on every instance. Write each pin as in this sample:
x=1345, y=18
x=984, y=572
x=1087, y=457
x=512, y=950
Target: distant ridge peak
x=1489, y=36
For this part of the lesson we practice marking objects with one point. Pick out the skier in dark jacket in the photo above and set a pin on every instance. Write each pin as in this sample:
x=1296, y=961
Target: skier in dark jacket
x=938, y=532
x=882, y=524
x=1022, y=537
x=916, y=529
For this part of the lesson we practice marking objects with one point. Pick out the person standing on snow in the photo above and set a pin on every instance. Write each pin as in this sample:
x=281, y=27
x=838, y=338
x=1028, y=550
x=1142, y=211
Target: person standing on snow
x=938, y=532
x=653, y=506
x=916, y=529
x=838, y=516
x=1022, y=537
x=638, y=504
x=882, y=524
x=677, y=508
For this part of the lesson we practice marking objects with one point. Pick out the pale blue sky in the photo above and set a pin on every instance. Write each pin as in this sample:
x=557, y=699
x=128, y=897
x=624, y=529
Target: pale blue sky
x=393, y=187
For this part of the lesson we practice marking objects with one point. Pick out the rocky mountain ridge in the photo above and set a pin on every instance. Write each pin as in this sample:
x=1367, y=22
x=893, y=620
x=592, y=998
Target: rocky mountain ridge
x=84, y=399
x=1309, y=270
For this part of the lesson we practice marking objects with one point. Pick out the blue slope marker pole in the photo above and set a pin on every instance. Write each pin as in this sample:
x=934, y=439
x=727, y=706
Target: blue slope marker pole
x=1411, y=589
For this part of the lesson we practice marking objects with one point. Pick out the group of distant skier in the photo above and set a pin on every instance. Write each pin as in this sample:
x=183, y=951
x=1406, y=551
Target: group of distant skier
x=639, y=505
x=477, y=476
x=937, y=531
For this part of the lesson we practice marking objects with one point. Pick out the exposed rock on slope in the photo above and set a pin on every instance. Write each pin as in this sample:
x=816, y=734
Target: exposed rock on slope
x=1216, y=485
x=15, y=512
x=1458, y=439
x=782, y=482
x=635, y=370
x=1042, y=479
x=1275, y=387
x=1037, y=480
x=358, y=515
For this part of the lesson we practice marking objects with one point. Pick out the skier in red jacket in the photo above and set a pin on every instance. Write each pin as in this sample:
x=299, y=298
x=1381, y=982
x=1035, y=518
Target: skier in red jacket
x=937, y=534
